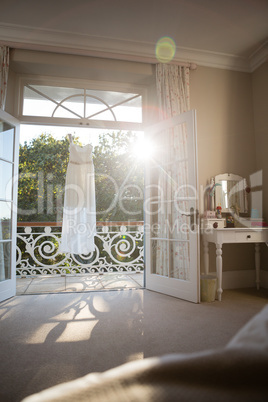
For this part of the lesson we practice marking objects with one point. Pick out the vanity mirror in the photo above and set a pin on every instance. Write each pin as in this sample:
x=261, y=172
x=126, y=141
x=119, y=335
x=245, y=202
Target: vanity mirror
x=231, y=193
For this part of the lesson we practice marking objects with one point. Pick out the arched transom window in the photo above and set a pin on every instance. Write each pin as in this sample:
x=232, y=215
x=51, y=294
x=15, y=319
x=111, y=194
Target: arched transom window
x=82, y=104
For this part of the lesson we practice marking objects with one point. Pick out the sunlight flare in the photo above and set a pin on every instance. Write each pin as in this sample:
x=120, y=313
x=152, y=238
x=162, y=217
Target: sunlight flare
x=143, y=149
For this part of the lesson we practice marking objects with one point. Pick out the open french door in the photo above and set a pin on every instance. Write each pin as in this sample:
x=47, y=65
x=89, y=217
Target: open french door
x=171, y=209
x=9, y=146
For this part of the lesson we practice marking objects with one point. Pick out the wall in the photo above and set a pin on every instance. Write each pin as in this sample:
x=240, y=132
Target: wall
x=260, y=102
x=223, y=100
x=226, y=143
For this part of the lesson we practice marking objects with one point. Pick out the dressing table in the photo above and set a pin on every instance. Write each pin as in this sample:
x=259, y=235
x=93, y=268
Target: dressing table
x=232, y=235
x=233, y=199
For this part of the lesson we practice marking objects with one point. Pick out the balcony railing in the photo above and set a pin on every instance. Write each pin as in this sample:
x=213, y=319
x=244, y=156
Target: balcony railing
x=118, y=248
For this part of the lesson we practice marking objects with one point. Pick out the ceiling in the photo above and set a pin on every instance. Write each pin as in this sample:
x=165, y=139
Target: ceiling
x=226, y=34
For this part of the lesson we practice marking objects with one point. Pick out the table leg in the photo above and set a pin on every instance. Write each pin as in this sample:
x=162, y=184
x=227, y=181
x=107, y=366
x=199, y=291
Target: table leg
x=219, y=269
x=257, y=264
x=206, y=257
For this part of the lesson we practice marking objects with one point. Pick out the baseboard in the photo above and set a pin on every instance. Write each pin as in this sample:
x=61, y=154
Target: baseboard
x=264, y=279
x=239, y=279
x=243, y=279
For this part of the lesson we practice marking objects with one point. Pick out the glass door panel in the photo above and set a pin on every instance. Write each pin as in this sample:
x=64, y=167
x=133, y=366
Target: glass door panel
x=8, y=196
x=171, y=206
x=5, y=220
x=6, y=144
x=6, y=169
x=5, y=261
x=5, y=240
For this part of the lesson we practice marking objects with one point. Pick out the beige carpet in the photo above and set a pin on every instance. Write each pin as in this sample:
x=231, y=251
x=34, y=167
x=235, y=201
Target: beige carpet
x=48, y=339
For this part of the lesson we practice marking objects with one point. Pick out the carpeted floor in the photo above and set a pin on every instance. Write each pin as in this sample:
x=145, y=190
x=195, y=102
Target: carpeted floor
x=52, y=338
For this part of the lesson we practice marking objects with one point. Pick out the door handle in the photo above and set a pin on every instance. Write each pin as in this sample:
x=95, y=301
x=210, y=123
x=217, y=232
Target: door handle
x=194, y=214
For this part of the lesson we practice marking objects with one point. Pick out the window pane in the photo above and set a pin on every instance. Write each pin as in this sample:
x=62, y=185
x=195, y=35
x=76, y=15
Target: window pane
x=97, y=110
x=5, y=220
x=5, y=261
x=170, y=259
x=6, y=144
x=5, y=180
x=56, y=94
x=110, y=97
x=128, y=113
x=42, y=100
x=81, y=103
x=36, y=105
x=124, y=106
x=71, y=108
x=106, y=115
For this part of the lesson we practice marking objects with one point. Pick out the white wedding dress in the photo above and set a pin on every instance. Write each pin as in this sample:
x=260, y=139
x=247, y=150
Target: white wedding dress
x=79, y=212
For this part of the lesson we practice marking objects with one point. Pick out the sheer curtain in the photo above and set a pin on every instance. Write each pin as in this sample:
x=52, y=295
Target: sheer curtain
x=2, y=256
x=172, y=255
x=4, y=66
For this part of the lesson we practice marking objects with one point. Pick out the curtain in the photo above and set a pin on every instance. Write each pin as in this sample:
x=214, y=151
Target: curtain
x=2, y=256
x=4, y=65
x=172, y=255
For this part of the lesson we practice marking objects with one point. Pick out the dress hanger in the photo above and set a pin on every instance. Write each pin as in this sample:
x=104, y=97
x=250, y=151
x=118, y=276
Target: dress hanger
x=70, y=138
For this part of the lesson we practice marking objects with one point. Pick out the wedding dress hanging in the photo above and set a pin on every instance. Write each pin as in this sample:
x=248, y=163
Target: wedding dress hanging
x=79, y=212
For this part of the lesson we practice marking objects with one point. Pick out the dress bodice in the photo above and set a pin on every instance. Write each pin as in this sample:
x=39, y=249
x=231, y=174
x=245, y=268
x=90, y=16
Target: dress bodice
x=80, y=155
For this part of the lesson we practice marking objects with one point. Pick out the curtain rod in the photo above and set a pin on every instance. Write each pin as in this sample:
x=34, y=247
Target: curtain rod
x=192, y=66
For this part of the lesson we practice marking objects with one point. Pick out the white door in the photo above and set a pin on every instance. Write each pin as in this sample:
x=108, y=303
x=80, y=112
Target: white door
x=171, y=209
x=9, y=144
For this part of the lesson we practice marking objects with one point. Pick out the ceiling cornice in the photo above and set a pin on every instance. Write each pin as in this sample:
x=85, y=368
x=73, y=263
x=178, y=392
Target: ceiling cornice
x=259, y=57
x=64, y=42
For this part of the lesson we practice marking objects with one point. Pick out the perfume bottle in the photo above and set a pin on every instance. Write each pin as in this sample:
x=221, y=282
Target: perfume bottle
x=218, y=212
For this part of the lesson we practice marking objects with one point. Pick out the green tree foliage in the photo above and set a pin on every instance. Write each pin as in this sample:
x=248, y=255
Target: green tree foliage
x=118, y=178
x=42, y=170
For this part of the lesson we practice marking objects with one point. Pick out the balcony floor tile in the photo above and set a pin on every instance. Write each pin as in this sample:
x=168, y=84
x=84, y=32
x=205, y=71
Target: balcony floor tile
x=47, y=280
x=138, y=277
x=84, y=283
x=117, y=281
x=78, y=283
x=48, y=288
x=22, y=284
